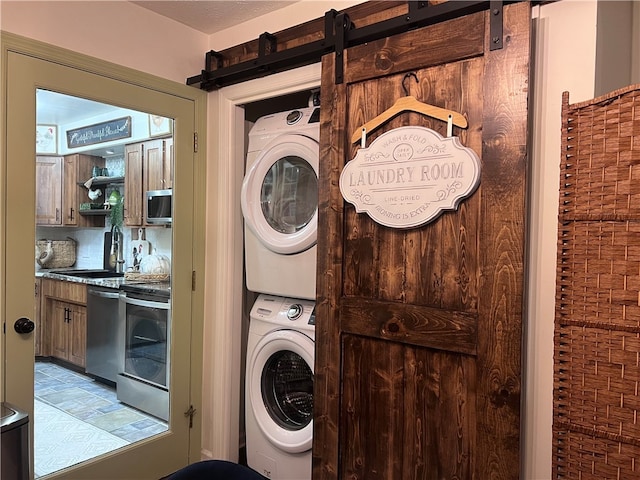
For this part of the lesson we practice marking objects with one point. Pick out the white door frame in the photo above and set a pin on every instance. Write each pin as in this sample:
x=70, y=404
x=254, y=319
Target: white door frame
x=224, y=307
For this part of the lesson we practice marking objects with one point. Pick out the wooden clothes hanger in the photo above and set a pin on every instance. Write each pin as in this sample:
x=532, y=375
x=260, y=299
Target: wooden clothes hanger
x=409, y=104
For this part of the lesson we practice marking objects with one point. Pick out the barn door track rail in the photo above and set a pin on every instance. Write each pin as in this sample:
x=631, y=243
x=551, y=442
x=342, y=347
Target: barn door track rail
x=340, y=33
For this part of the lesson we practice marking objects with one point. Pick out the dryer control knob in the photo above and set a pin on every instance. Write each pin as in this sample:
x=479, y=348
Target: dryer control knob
x=294, y=117
x=294, y=311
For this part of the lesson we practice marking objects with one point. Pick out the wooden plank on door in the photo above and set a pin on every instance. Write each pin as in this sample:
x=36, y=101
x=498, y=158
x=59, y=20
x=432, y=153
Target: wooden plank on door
x=418, y=333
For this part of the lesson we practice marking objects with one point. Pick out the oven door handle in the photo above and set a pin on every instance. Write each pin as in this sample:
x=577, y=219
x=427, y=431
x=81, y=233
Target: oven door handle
x=146, y=303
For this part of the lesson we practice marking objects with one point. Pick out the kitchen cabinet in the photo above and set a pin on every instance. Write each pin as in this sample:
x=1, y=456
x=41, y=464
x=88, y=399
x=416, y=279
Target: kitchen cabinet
x=148, y=166
x=158, y=163
x=77, y=170
x=68, y=324
x=133, y=186
x=48, y=190
x=60, y=190
x=64, y=320
x=38, y=334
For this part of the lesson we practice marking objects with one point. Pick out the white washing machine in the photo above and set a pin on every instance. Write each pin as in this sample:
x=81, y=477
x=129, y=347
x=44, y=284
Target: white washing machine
x=280, y=203
x=279, y=387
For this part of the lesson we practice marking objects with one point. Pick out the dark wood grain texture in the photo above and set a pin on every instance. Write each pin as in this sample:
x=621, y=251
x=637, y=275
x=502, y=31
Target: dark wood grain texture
x=418, y=336
x=329, y=279
x=439, y=429
x=372, y=387
x=502, y=233
x=397, y=54
x=416, y=325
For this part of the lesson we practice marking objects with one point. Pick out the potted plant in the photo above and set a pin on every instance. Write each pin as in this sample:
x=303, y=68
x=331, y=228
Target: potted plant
x=117, y=209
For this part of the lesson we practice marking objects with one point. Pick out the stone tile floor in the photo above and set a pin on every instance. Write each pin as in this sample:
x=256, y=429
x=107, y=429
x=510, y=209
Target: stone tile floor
x=90, y=403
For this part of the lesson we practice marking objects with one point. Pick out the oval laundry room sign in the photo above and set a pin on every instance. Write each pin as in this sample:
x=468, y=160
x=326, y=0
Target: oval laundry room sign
x=409, y=176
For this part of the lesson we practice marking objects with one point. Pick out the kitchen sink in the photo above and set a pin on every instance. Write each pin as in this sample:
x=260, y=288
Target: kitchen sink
x=88, y=273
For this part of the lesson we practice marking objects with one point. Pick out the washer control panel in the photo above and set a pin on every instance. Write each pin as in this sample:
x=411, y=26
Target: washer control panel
x=286, y=311
x=294, y=312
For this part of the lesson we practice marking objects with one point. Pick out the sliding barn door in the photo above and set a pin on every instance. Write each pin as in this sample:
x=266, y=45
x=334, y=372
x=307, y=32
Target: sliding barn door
x=419, y=331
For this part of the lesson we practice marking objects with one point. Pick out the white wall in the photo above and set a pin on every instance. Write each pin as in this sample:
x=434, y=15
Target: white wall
x=635, y=44
x=613, y=46
x=116, y=31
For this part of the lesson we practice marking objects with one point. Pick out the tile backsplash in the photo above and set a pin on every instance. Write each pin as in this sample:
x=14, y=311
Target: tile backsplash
x=89, y=253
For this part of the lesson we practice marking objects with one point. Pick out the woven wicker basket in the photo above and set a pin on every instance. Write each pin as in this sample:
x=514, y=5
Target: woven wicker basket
x=147, y=277
x=56, y=253
x=596, y=430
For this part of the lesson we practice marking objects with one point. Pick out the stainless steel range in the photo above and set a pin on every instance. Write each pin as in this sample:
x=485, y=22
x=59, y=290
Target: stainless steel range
x=144, y=383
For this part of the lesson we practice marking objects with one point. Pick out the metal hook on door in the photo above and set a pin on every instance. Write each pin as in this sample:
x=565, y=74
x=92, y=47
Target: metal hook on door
x=408, y=75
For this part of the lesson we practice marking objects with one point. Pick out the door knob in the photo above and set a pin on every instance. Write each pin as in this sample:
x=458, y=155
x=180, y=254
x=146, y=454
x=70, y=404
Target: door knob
x=24, y=325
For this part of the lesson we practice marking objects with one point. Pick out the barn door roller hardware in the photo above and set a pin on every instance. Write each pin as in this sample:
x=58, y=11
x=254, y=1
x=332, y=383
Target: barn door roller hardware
x=339, y=34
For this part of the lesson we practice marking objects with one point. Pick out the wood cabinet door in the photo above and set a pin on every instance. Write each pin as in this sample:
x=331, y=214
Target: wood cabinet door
x=56, y=315
x=133, y=186
x=153, y=170
x=419, y=331
x=48, y=190
x=38, y=334
x=77, y=331
x=168, y=163
x=70, y=197
x=77, y=170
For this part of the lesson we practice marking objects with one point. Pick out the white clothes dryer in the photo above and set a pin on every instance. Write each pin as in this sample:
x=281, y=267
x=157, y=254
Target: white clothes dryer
x=280, y=203
x=279, y=387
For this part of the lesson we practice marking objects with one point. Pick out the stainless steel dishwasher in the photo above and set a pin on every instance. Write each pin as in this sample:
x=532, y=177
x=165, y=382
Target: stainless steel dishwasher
x=105, y=334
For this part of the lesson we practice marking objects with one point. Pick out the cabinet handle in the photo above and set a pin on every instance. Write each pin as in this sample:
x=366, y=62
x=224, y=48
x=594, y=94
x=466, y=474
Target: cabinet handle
x=71, y=213
x=57, y=214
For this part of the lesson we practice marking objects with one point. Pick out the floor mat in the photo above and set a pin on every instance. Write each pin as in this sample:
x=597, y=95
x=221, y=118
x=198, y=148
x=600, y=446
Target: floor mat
x=62, y=440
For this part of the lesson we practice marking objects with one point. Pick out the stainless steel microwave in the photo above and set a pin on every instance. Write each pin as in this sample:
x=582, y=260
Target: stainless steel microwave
x=159, y=204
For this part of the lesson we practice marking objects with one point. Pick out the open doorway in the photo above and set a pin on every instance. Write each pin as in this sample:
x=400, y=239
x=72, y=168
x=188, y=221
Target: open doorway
x=31, y=67
x=104, y=180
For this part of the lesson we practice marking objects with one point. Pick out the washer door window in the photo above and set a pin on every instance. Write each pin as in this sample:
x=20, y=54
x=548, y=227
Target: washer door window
x=287, y=390
x=281, y=389
x=280, y=194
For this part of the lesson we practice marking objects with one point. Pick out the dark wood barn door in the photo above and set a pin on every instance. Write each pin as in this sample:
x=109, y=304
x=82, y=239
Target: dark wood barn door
x=419, y=331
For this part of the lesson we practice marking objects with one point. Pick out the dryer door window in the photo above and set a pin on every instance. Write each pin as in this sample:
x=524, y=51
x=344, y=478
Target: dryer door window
x=287, y=390
x=289, y=194
x=280, y=195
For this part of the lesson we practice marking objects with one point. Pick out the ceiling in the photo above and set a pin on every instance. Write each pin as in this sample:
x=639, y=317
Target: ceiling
x=210, y=16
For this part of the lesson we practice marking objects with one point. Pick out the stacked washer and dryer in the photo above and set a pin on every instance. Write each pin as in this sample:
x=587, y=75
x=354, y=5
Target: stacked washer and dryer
x=280, y=208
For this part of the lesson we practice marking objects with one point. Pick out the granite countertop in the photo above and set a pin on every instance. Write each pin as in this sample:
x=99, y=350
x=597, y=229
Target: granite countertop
x=109, y=282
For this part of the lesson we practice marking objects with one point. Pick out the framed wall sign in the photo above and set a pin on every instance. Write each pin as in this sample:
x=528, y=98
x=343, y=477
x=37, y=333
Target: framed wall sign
x=46, y=139
x=409, y=176
x=159, y=126
x=99, y=132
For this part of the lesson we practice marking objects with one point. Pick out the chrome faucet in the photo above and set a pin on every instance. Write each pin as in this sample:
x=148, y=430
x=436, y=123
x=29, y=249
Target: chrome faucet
x=116, y=258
